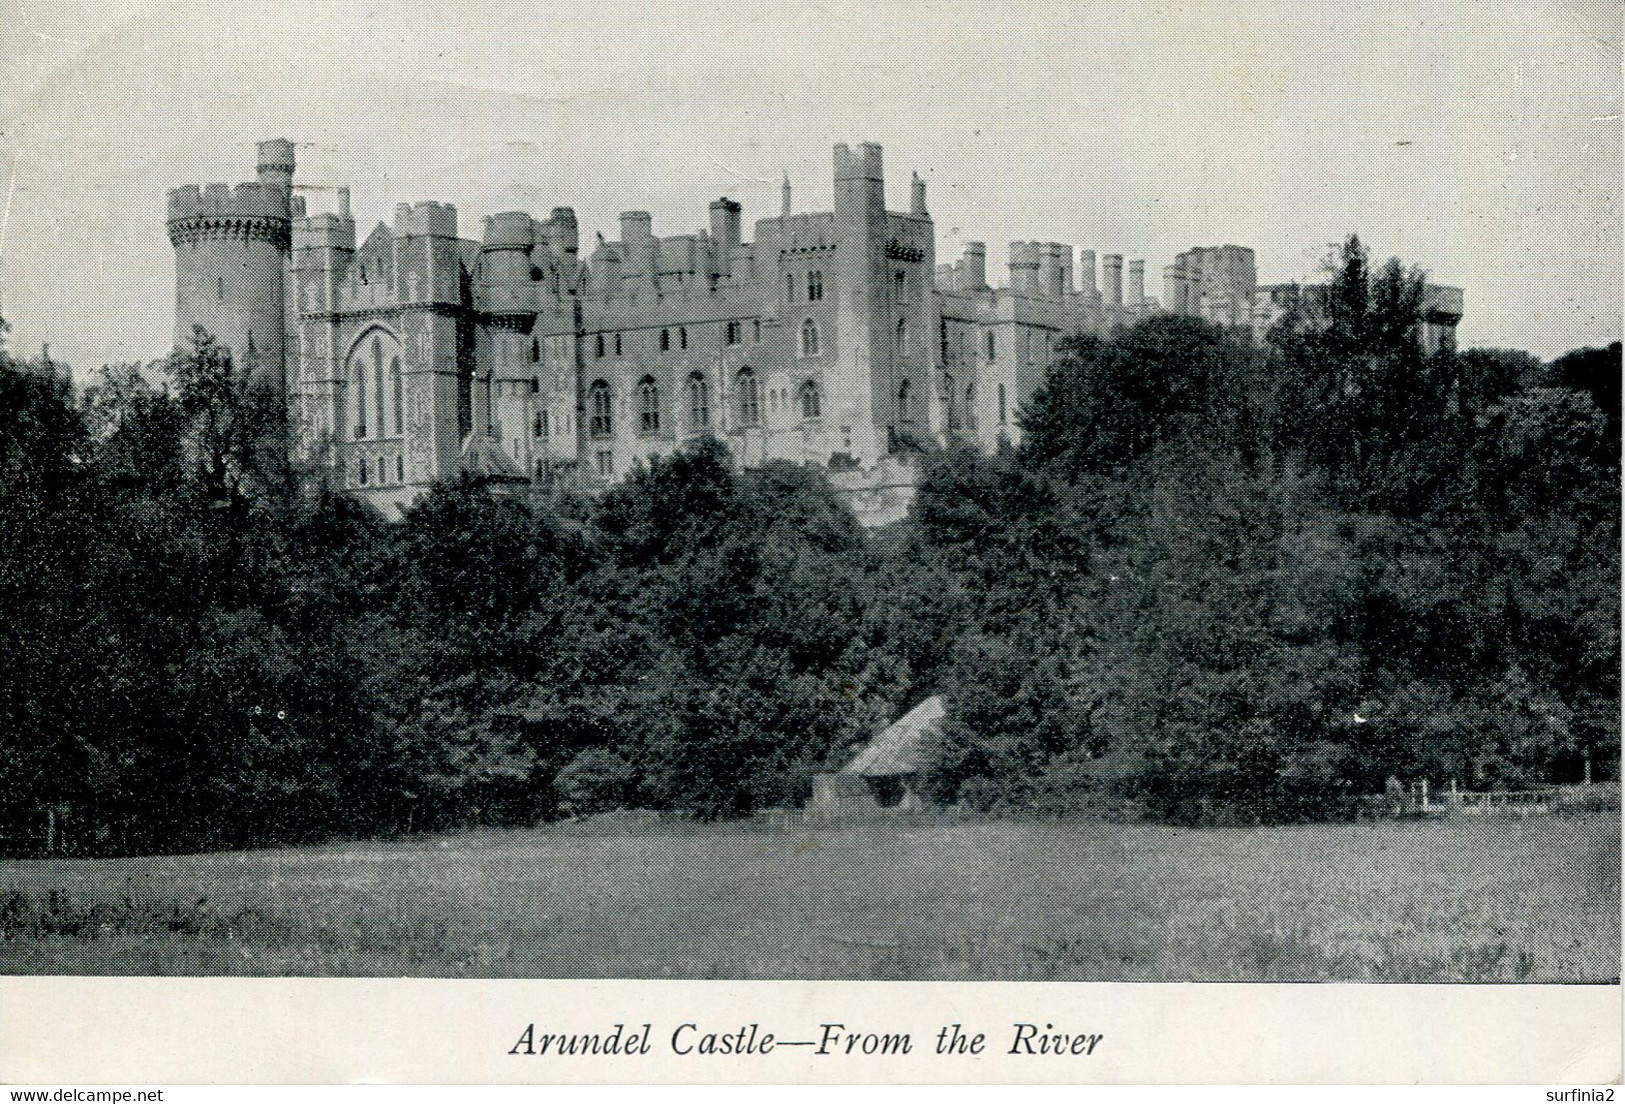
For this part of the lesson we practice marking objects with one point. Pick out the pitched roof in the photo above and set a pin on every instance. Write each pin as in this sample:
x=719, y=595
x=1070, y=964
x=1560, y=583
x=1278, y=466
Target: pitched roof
x=902, y=748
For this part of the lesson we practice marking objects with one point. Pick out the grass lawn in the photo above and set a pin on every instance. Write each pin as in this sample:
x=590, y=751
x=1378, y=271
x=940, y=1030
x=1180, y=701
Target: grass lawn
x=1454, y=900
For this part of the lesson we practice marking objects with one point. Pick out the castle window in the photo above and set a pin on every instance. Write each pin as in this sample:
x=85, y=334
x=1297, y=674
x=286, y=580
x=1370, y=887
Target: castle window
x=905, y=402
x=382, y=478
x=606, y=463
x=682, y=337
x=617, y=344
x=750, y=399
x=901, y=284
x=395, y=387
x=360, y=398
x=665, y=340
x=815, y=286
x=992, y=348
x=809, y=338
x=600, y=345
x=649, y=405
x=699, y=402
x=902, y=338
x=732, y=333
x=773, y=398
x=535, y=349
x=1002, y=418
x=361, y=471
x=810, y=405
x=756, y=329
x=400, y=469
x=535, y=385
x=602, y=407
x=790, y=287
x=950, y=392
x=942, y=338
x=970, y=404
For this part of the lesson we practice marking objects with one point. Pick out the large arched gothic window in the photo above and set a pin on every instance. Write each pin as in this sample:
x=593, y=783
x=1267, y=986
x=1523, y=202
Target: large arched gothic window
x=750, y=399
x=699, y=402
x=376, y=402
x=601, y=404
x=809, y=338
x=811, y=407
x=648, y=405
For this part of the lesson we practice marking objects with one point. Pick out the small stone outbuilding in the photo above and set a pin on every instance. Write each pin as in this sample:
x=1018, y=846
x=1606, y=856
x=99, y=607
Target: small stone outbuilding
x=885, y=772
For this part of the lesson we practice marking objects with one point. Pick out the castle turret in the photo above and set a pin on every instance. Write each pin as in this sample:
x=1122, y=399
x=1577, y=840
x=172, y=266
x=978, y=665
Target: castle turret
x=505, y=262
x=276, y=164
x=1024, y=263
x=231, y=253
x=639, y=244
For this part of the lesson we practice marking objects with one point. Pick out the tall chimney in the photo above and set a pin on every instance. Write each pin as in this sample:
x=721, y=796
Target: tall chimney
x=1112, y=264
x=1136, y=283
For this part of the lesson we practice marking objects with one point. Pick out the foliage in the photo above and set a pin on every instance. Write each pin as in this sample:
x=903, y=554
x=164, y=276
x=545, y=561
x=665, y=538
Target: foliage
x=1215, y=582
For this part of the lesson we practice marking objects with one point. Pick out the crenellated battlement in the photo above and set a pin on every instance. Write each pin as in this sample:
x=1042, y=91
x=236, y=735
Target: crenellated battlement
x=251, y=200
x=427, y=219
x=834, y=335
x=865, y=163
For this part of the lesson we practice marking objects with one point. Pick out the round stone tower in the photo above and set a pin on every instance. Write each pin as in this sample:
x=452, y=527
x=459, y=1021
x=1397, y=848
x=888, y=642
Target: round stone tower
x=231, y=255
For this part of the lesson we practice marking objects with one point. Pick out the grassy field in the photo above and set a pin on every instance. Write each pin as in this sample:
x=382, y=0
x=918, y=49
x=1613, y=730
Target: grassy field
x=1460, y=900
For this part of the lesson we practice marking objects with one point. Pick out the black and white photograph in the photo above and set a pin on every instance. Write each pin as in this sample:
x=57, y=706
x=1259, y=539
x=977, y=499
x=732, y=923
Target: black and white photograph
x=918, y=492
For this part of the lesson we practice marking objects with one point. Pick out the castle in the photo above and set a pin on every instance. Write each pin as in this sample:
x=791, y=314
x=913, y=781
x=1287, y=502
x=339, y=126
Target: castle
x=833, y=337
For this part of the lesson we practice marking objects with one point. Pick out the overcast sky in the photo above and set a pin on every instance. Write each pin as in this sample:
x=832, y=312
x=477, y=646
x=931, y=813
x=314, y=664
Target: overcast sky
x=1479, y=139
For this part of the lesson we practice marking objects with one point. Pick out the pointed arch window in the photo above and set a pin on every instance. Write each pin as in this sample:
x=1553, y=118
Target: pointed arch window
x=950, y=395
x=535, y=350
x=682, y=337
x=811, y=404
x=360, y=367
x=397, y=392
x=815, y=286
x=699, y=402
x=601, y=404
x=905, y=402
x=665, y=340
x=378, y=381
x=599, y=347
x=750, y=397
x=992, y=347
x=790, y=287
x=809, y=338
x=648, y=405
